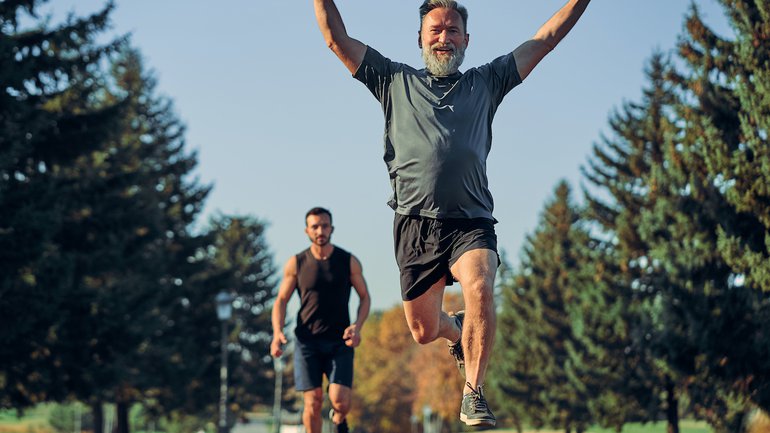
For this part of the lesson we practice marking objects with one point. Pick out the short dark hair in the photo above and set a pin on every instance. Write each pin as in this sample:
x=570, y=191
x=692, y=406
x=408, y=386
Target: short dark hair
x=318, y=211
x=429, y=5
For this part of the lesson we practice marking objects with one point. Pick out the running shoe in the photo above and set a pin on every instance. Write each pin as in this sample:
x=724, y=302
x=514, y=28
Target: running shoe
x=474, y=410
x=456, y=349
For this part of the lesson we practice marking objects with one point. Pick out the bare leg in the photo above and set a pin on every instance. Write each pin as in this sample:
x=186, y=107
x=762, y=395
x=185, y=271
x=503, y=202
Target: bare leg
x=311, y=416
x=426, y=320
x=475, y=270
x=340, y=398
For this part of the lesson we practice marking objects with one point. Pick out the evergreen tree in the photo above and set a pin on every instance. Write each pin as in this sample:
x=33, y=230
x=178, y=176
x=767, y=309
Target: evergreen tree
x=710, y=322
x=110, y=290
x=536, y=337
x=734, y=137
x=151, y=173
x=245, y=261
x=49, y=74
x=518, y=354
x=184, y=358
x=614, y=321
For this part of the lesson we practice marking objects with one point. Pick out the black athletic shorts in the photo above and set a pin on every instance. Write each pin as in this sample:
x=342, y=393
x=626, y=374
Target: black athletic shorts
x=426, y=248
x=314, y=358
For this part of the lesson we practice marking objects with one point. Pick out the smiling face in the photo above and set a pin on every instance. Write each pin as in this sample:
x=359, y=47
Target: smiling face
x=443, y=41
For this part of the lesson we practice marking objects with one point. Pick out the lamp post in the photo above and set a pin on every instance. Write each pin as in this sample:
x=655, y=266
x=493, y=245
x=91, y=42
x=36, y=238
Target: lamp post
x=278, y=362
x=427, y=411
x=224, y=312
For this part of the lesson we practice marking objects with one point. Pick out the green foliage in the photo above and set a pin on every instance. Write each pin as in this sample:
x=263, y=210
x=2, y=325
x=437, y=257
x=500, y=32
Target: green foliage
x=535, y=364
x=711, y=319
x=734, y=145
x=48, y=123
x=685, y=228
x=668, y=296
x=63, y=418
x=110, y=290
x=623, y=172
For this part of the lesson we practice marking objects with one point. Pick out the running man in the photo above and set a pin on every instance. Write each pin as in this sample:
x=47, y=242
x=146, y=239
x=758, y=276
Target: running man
x=438, y=124
x=323, y=275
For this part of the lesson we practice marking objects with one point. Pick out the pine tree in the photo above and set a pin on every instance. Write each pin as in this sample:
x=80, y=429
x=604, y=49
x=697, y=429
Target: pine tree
x=244, y=258
x=111, y=290
x=709, y=321
x=518, y=354
x=730, y=81
x=738, y=158
x=181, y=369
x=614, y=321
x=48, y=75
x=536, y=340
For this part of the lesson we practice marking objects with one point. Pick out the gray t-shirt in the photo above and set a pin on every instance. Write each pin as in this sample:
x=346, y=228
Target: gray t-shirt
x=438, y=133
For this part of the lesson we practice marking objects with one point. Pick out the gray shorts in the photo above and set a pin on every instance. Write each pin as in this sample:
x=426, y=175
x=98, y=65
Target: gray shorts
x=426, y=248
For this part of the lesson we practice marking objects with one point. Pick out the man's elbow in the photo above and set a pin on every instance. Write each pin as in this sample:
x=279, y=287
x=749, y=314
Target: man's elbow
x=330, y=43
x=280, y=303
x=336, y=47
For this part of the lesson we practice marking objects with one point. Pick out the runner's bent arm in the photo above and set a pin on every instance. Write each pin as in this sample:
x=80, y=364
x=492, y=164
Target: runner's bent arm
x=352, y=334
x=531, y=52
x=287, y=287
x=350, y=51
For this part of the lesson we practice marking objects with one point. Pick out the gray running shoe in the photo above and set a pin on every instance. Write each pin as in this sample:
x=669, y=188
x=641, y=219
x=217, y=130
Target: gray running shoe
x=338, y=428
x=474, y=410
x=456, y=349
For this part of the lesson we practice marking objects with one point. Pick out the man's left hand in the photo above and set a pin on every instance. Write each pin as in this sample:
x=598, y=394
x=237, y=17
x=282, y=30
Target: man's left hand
x=351, y=336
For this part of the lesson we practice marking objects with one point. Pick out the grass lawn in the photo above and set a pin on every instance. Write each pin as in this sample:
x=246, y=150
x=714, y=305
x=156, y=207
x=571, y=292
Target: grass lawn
x=685, y=426
x=35, y=420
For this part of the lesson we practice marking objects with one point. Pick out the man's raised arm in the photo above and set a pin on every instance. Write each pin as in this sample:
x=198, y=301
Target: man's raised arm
x=530, y=53
x=349, y=50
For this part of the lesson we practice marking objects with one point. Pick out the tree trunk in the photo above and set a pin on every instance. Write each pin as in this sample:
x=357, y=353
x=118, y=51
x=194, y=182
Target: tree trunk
x=98, y=412
x=121, y=410
x=672, y=407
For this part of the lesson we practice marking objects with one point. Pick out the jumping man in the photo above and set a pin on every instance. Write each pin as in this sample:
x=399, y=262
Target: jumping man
x=438, y=125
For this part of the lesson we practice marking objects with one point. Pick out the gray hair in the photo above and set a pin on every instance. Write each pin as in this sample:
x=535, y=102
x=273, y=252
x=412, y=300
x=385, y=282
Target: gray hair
x=429, y=5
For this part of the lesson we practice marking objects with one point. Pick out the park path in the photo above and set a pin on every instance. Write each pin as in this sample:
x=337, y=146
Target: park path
x=255, y=426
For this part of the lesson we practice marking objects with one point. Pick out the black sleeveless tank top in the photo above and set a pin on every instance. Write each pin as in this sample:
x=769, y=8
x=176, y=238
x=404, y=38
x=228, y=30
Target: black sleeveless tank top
x=324, y=291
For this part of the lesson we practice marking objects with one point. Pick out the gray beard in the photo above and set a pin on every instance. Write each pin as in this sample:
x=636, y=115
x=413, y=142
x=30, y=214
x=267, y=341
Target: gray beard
x=442, y=68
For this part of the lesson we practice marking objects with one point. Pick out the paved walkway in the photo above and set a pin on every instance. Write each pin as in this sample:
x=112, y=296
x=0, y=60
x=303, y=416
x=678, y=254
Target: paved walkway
x=252, y=427
x=257, y=426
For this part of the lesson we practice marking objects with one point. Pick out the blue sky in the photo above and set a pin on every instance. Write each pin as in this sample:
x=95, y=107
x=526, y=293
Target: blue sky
x=280, y=126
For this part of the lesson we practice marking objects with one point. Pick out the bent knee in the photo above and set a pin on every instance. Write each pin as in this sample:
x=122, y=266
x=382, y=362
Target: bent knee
x=341, y=407
x=424, y=336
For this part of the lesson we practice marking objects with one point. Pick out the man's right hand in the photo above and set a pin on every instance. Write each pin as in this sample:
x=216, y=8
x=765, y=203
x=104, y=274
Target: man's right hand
x=276, y=347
